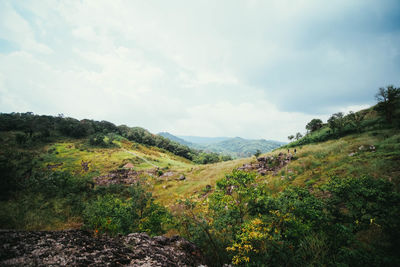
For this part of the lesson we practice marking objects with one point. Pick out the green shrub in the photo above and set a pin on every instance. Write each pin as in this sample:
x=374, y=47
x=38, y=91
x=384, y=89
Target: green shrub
x=114, y=215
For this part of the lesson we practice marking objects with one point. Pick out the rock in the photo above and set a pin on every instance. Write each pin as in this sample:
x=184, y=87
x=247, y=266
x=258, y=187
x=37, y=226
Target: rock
x=119, y=176
x=352, y=154
x=54, y=166
x=262, y=159
x=85, y=165
x=128, y=166
x=80, y=248
x=167, y=174
x=268, y=164
x=182, y=177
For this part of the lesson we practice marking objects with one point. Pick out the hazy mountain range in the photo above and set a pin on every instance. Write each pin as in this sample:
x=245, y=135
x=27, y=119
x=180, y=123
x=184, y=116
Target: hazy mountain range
x=234, y=146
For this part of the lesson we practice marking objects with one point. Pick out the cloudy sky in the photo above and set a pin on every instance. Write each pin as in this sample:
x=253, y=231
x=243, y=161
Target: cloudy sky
x=255, y=69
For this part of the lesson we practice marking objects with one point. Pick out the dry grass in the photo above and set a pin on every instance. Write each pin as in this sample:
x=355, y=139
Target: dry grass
x=197, y=177
x=315, y=164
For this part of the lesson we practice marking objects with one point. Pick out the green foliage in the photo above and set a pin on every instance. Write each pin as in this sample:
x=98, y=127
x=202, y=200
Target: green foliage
x=57, y=184
x=21, y=138
x=257, y=153
x=143, y=136
x=336, y=122
x=43, y=199
x=348, y=222
x=14, y=168
x=388, y=100
x=206, y=158
x=356, y=122
x=36, y=128
x=115, y=215
x=100, y=140
x=314, y=125
x=355, y=119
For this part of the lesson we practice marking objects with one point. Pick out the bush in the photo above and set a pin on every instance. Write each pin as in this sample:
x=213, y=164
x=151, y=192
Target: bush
x=115, y=215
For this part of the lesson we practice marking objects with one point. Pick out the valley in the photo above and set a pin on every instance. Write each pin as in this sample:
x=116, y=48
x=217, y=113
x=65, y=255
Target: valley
x=323, y=197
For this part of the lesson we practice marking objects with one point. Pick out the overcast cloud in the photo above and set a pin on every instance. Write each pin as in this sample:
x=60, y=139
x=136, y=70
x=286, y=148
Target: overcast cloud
x=255, y=69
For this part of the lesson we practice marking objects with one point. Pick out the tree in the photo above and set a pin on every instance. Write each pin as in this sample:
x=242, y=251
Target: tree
x=290, y=137
x=336, y=122
x=298, y=136
x=355, y=119
x=257, y=153
x=387, y=101
x=314, y=125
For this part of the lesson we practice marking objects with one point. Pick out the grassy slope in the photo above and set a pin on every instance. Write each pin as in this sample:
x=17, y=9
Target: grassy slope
x=197, y=177
x=103, y=160
x=315, y=164
x=71, y=152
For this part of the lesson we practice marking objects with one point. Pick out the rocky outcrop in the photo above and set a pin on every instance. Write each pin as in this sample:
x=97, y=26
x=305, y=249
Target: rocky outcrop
x=76, y=247
x=268, y=164
x=127, y=176
x=119, y=176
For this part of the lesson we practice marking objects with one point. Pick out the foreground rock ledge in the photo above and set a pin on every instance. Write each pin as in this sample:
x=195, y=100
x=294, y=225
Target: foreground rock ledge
x=77, y=247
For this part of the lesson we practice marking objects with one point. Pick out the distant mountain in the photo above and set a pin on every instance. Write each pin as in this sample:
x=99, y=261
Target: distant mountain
x=175, y=138
x=240, y=147
x=236, y=147
x=203, y=140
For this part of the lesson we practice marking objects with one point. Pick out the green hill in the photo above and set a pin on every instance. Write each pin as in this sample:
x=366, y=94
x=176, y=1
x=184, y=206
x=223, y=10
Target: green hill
x=203, y=140
x=240, y=147
x=176, y=139
x=236, y=147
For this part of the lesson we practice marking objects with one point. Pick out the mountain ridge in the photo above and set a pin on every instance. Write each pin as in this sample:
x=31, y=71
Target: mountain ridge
x=234, y=146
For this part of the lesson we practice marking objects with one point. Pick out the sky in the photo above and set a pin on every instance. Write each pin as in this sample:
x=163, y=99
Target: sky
x=254, y=69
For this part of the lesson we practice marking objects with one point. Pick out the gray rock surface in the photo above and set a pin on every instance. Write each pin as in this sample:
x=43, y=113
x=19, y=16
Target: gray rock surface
x=80, y=248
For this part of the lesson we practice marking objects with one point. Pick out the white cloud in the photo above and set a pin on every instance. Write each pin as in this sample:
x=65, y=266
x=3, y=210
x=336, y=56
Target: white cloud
x=17, y=29
x=257, y=69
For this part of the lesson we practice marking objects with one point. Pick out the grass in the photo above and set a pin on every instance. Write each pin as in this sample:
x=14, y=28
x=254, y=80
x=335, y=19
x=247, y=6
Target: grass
x=71, y=153
x=317, y=163
x=197, y=177
x=102, y=160
x=314, y=165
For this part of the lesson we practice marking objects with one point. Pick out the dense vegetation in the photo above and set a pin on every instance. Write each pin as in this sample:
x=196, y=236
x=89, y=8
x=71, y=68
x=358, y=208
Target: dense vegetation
x=33, y=129
x=335, y=204
x=347, y=221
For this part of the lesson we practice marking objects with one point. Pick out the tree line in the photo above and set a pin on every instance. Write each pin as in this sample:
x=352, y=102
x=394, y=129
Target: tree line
x=388, y=106
x=43, y=128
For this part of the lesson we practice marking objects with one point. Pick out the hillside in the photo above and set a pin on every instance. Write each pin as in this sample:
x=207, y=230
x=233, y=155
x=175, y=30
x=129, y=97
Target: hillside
x=176, y=139
x=330, y=198
x=240, y=147
x=236, y=147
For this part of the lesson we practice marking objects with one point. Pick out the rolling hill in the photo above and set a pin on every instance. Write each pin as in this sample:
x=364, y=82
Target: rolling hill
x=335, y=201
x=236, y=147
